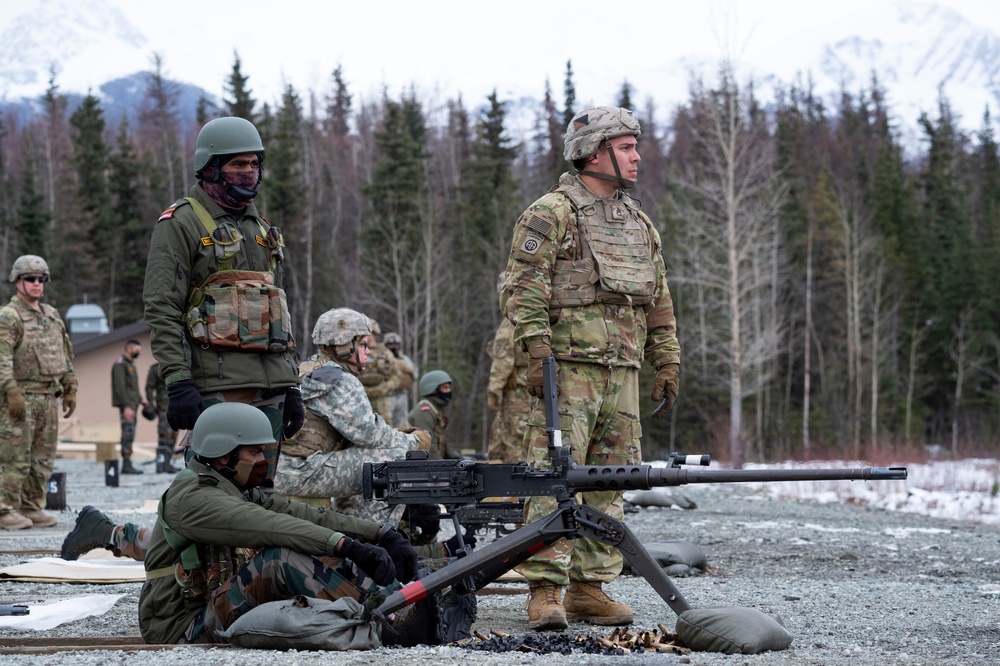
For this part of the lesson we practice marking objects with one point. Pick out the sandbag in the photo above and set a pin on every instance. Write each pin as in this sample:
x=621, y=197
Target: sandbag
x=659, y=498
x=733, y=630
x=678, y=558
x=303, y=623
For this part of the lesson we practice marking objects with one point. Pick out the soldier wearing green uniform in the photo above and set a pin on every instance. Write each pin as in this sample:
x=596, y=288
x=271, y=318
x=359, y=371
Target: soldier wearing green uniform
x=214, y=291
x=35, y=370
x=166, y=437
x=126, y=397
x=429, y=413
x=586, y=284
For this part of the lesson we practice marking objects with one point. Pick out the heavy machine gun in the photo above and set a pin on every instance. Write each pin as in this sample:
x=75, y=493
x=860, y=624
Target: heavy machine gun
x=454, y=483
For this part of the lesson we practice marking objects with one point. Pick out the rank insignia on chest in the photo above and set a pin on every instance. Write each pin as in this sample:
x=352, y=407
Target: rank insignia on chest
x=530, y=244
x=206, y=241
x=260, y=241
x=617, y=212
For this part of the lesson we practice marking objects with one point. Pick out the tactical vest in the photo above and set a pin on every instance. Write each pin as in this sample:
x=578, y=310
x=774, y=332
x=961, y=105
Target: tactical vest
x=614, y=264
x=39, y=354
x=316, y=434
x=239, y=310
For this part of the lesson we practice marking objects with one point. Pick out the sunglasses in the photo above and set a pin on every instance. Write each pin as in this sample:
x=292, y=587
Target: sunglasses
x=35, y=278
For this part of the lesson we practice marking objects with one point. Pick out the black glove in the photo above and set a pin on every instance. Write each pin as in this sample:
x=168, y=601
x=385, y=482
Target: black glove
x=404, y=558
x=293, y=414
x=184, y=404
x=373, y=560
x=424, y=517
x=452, y=545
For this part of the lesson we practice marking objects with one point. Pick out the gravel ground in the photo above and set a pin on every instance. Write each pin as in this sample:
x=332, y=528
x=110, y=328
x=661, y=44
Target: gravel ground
x=854, y=585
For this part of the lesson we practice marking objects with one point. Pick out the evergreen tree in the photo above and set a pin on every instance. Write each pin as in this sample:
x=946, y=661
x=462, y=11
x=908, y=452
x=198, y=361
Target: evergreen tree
x=32, y=217
x=239, y=100
x=126, y=236
x=625, y=95
x=90, y=159
x=338, y=105
x=569, y=90
x=159, y=136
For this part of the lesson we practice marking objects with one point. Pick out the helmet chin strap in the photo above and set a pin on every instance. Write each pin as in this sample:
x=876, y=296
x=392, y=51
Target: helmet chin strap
x=617, y=178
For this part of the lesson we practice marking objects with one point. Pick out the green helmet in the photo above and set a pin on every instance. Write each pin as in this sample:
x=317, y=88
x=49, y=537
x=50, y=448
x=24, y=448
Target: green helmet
x=339, y=326
x=28, y=264
x=226, y=136
x=227, y=425
x=429, y=383
x=592, y=127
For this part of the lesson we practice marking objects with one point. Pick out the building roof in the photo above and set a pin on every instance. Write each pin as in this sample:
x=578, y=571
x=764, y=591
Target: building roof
x=117, y=336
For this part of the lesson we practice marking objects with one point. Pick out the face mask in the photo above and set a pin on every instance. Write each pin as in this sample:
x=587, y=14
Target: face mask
x=444, y=397
x=257, y=475
x=242, y=471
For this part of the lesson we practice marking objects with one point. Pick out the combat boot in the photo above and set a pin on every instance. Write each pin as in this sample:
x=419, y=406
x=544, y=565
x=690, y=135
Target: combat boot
x=545, y=610
x=127, y=467
x=163, y=463
x=587, y=602
x=92, y=530
x=417, y=624
x=13, y=520
x=40, y=518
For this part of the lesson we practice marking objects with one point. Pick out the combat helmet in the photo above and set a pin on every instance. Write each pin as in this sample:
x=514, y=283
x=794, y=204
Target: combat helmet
x=392, y=339
x=339, y=327
x=594, y=127
x=28, y=264
x=430, y=382
x=227, y=425
x=226, y=136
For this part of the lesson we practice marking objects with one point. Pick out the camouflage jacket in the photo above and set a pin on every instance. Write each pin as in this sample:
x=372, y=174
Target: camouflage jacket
x=181, y=258
x=124, y=383
x=207, y=510
x=606, y=333
x=382, y=372
x=35, y=351
x=510, y=361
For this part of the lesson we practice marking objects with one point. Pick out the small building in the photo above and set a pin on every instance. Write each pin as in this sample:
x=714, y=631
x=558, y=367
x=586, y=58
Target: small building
x=85, y=321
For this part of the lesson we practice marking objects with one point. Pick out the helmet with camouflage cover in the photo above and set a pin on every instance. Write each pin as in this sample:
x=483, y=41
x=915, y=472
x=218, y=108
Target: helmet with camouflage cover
x=594, y=127
x=228, y=425
x=28, y=264
x=339, y=327
x=392, y=339
x=226, y=136
x=429, y=383
x=375, y=328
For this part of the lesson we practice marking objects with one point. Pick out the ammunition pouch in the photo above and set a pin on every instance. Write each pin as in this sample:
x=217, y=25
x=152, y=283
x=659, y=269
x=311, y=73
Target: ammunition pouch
x=240, y=311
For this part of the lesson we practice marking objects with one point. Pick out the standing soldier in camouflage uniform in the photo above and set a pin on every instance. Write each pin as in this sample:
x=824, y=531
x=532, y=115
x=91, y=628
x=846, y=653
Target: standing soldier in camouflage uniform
x=341, y=431
x=507, y=396
x=222, y=545
x=126, y=397
x=35, y=369
x=586, y=284
x=399, y=398
x=428, y=414
x=156, y=398
x=381, y=376
x=214, y=291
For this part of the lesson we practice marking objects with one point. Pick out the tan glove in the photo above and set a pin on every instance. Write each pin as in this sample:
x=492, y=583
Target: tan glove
x=494, y=401
x=15, y=403
x=423, y=437
x=69, y=402
x=538, y=350
x=666, y=384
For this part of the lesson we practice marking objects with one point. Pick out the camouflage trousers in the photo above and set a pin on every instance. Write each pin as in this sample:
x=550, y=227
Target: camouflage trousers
x=337, y=475
x=269, y=401
x=509, y=426
x=165, y=435
x=130, y=540
x=599, y=418
x=399, y=407
x=274, y=574
x=27, y=452
x=128, y=431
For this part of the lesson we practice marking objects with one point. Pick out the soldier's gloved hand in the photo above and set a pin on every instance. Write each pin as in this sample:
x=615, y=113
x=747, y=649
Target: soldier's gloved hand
x=184, y=404
x=373, y=560
x=667, y=381
x=494, y=401
x=404, y=558
x=538, y=350
x=15, y=403
x=293, y=414
x=452, y=545
x=424, y=438
x=69, y=402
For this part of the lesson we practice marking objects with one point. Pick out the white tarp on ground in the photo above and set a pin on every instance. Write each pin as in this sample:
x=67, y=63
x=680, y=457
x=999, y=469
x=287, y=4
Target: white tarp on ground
x=49, y=614
x=84, y=570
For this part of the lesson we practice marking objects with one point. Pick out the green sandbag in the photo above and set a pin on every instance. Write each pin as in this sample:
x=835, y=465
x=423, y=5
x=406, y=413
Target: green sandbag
x=677, y=557
x=733, y=630
x=303, y=623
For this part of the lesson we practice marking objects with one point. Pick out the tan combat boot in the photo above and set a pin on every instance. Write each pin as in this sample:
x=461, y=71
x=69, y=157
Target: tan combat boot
x=587, y=602
x=13, y=520
x=40, y=518
x=545, y=609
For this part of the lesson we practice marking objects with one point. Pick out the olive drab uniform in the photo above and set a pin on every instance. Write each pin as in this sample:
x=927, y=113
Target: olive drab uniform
x=35, y=356
x=125, y=393
x=508, y=396
x=428, y=414
x=586, y=275
x=216, y=306
x=156, y=396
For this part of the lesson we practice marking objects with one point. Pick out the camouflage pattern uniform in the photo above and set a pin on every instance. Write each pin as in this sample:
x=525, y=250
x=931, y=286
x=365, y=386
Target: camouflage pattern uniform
x=340, y=433
x=382, y=376
x=428, y=414
x=601, y=319
x=35, y=356
x=507, y=396
x=125, y=393
x=399, y=398
x=156, y=396
x=253, y=547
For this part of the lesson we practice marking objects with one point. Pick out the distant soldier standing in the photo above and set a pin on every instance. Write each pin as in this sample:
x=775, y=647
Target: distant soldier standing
x=381, y=376
x=429, y=413
x=586, y=284
x=126, y=397
x=507, y=396
x=35, y=369
x=156, y=397
x=399, y=398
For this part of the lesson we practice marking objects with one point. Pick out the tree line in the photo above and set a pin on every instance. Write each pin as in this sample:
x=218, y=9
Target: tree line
x=833, y=292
